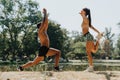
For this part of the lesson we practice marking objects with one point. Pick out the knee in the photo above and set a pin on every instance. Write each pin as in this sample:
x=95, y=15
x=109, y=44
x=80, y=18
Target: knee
x=94, y=51
x=88, y=52
x=34, y=62
x=58, y=53
x=31, y=62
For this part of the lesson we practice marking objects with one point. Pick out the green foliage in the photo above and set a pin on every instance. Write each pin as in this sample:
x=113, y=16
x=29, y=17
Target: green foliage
x=58, y=38
x=77, y=46
x=118, y=46
x=18, y=35
x=56, y=35
x=78, y=36
x=118, y=43
x=108, y=43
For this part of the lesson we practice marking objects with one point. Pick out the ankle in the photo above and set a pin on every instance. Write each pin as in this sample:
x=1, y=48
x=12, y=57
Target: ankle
x=20, y=68
x=57, y=68
x=91, y=66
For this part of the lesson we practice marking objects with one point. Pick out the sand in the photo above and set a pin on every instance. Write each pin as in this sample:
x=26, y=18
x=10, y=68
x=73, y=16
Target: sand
x=64, y=75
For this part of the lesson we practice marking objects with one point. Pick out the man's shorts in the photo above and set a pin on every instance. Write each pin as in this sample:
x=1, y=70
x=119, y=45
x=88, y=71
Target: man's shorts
x=43, y=51
x=89, y=36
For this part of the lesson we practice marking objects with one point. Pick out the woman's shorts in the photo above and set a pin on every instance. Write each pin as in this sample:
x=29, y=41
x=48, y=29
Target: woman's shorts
x=89, y=36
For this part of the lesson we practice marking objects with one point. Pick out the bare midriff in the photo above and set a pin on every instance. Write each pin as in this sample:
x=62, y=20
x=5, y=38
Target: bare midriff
x=85, y=28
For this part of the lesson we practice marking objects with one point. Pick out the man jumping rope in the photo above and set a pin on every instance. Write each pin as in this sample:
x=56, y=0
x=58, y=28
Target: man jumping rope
x=45, y=49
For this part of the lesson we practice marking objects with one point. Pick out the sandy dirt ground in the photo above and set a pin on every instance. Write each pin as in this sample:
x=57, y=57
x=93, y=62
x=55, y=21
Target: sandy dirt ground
x=65, y=75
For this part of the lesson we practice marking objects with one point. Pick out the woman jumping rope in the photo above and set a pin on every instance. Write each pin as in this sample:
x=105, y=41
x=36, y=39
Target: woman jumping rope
x=90, y=46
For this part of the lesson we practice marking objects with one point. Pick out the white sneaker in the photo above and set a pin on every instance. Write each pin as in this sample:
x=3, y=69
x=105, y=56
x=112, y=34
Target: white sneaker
x=89, y=69
x=99, y=36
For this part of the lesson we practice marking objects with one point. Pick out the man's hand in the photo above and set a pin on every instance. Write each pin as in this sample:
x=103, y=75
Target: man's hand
x=44, y=11
x=45, y=18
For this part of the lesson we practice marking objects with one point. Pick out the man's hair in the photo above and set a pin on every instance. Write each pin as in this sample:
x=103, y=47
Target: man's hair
x=38, y=25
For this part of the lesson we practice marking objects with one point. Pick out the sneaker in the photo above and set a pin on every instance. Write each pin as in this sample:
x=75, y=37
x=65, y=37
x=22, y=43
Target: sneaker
x=56, y=68
x=99, y=36
x=20, y=68
x=89, y=69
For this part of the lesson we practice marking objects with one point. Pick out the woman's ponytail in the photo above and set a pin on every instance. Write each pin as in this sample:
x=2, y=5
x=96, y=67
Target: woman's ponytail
x=88, y=15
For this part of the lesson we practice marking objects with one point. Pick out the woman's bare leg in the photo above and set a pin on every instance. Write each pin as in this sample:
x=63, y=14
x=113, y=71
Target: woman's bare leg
x=89, y=47
x=90, y=59
x=95, y=48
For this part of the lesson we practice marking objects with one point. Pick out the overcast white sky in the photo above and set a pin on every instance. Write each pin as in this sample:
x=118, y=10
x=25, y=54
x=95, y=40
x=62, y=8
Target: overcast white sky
x=105, y=13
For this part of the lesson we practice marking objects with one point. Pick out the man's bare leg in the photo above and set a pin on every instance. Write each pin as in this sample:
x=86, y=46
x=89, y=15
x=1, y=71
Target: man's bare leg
x=31, y=63
x=57, y=54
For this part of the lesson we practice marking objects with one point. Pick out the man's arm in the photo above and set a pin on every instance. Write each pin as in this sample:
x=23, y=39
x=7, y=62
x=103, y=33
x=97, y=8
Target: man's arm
x=44, y=21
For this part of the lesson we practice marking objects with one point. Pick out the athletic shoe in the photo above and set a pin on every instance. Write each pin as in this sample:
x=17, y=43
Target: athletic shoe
x=89, y=69
x=56, y=68
x=20, y=68
x=99, y=36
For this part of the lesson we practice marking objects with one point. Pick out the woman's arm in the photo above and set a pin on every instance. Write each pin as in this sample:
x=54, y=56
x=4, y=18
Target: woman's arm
x=94, y=29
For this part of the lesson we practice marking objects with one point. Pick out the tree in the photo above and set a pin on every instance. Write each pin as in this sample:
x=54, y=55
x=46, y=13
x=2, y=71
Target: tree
x=108, y=43
x=77, y=46
x=58, y=38
x=118, y=44
x=17, y=21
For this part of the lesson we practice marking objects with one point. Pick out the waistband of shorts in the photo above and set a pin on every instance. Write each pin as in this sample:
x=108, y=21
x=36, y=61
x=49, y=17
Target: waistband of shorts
x=86, y=33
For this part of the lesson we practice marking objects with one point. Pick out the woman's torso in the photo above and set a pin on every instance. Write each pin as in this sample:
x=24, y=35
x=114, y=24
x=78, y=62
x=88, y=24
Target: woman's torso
x=85, y=26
